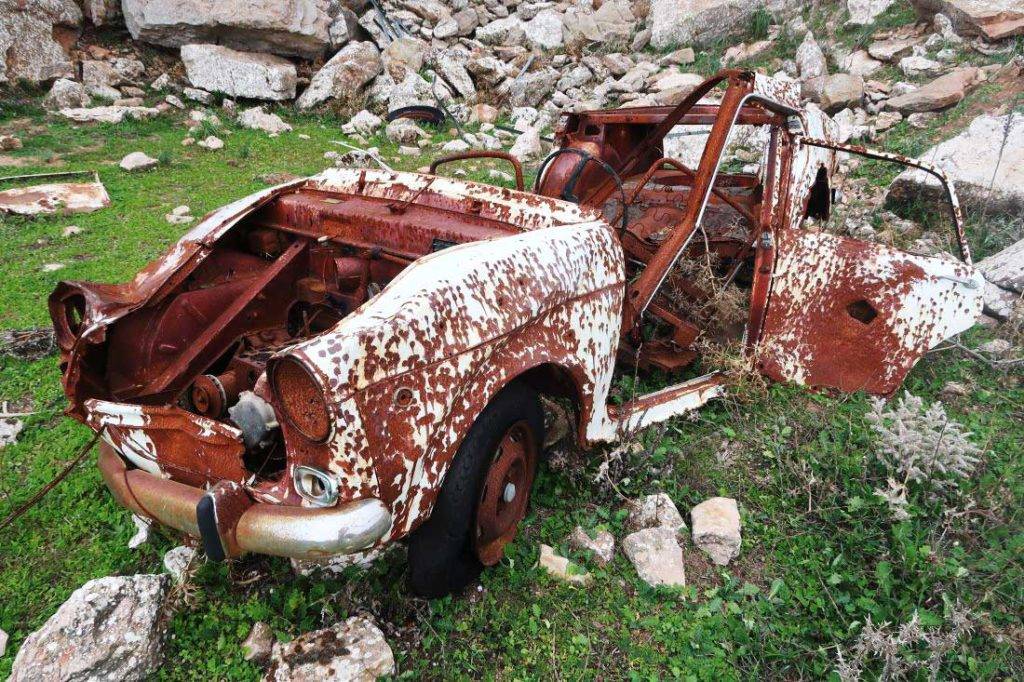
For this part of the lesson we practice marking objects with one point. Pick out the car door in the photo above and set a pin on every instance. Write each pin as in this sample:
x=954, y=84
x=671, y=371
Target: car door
x=852, y=315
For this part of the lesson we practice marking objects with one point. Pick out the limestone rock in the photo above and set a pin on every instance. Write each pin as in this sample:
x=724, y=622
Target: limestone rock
x=611, y=25
x=865, y=11
x=687, y=22
x=35, y=38
x=66, y=94
x=841, y=90
x=810, y=60
x=1006, y=268
x=602, y=545
x=3, y=643
x=716, y=528
x=343, y=76
x=451, y=66
x=110, y=114
x=941, y=93
x=404, y=54
x=860, y=63
x=403, y=131
x=891, y=50
x=459, y=25
x=102, y=12
x=560, y=567
x=285, y=27
x=198, y=95
x=260, y=642
x=137, y=161
x=215, y=68
x=109, y=629
x=654, y=511
x=992, y=19
x=363, y=123
x=257, y=119
x=544, y=31
x=483, y=113
x=986, y=169
x=656, y=555
x=506, y=31
x=352, y=650
x=178, y=560
x=530, y=89
x=918, y=65
x=527, y=145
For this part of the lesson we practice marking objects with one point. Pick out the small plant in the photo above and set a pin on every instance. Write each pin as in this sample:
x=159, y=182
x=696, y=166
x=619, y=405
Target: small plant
x=921, y=445
x=164, y=158
x=759, y=24
x=245, y=151
x=907, y=649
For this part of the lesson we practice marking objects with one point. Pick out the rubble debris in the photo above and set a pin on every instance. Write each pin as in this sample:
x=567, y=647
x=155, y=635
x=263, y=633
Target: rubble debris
x=601, y=545
x=363, y=123
x=70, y=197
x=137, y=161
x=27, y=344
x=180, y=215
x=354, y=649
x=251, y=75
x=198, y=95
x=716, y=529
x=257, y=119
x=110, y=628
x=561, y=567
x=260, y=642
x=863, y=12
x=657, y=556
x=654, y=511
x=178, y=560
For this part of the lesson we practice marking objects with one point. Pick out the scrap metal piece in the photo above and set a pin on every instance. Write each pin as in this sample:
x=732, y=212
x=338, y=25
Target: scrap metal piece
x=75, y=197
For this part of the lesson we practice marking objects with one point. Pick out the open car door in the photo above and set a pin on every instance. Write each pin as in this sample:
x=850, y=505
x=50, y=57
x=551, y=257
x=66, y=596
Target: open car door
x=852, y=315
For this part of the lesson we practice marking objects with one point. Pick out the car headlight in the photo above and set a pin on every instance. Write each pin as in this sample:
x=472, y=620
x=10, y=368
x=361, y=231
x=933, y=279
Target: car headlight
x=301, y=398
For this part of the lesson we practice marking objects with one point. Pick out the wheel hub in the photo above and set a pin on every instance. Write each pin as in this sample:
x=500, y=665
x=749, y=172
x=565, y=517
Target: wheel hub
x=505, y=493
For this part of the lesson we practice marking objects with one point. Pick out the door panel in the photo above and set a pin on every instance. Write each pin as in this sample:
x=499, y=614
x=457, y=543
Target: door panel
x=853, y=315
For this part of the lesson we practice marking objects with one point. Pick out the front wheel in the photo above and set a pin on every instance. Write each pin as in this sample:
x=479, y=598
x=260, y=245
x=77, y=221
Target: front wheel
x=483, y=497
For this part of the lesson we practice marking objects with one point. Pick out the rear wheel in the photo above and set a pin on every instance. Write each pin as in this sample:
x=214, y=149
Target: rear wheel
x=483, y=498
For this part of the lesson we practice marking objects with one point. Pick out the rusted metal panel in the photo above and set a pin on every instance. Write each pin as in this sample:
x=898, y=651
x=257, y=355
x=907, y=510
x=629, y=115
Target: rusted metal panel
x=73, y=197
x=855, y=316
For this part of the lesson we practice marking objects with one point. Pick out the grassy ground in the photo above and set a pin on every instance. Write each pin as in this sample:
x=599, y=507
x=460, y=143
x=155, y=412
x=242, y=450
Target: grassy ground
x=821, y=554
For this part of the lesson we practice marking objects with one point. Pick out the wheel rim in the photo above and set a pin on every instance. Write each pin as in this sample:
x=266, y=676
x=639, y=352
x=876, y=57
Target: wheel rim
x=505, y=493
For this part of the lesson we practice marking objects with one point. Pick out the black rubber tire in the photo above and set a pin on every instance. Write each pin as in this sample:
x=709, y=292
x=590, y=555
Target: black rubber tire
x=441, y=555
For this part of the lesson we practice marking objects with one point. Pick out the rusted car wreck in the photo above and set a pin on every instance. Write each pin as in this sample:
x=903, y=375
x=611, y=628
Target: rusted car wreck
x=356, y=358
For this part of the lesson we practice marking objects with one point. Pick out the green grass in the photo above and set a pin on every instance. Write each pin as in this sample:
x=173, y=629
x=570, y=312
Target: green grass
x=820, y=553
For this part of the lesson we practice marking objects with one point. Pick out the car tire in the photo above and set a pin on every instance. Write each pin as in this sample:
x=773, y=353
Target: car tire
x=443, y=552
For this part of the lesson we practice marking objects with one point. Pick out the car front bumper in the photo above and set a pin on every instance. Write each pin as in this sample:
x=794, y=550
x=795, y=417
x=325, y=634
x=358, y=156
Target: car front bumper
x=230, y=523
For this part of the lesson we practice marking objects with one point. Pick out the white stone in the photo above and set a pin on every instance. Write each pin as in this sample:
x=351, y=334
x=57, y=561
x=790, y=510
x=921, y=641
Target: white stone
x=716, y=529
x=865, y=11
x=70, y=231
x=1006, y=268
x=602, y=545
x=455, y=146
x=216, y=68
x=198, y=95
x=179, y=560
x=810, y=60
x=211, y=142
x=109, y=629
x=363, y=123
x=992, y=19
x=344, y=76
x=161, y=82
x=544, y=31
x=351, y=650
x=653, y=511
x=66, y=94
x=259, y=644
x=286, y=27
x=257, y=119
x=143, y=527
x=3, y=643
x=985, y=163
x=918, y=66
x=656, y=555
x=527, y=145
x=137, y=161
x=560, y=567
x=29, y=49
x=506, y=31
x=687, y=22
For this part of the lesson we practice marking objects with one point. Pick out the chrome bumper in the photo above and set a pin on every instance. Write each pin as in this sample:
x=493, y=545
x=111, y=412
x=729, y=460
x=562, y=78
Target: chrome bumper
x=296, y=532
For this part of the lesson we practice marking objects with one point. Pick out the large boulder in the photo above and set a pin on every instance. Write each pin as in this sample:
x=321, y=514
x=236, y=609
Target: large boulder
x=216, y=68
x=109, y=629
x=941, y=93
x=344, y=76
x=688, y=22
x=992, y=19
x=66, y=94
x=611, y=25
x=505, y=31
x=985, y=163
x=544, y=31
x=865, y=11
x=1006, y=268
x=35, y=38
x=531, y=88
x=287, y=27
x=352, y=650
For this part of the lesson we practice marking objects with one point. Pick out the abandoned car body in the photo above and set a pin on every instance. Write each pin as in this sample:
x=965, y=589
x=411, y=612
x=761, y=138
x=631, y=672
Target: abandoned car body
x=356, y=358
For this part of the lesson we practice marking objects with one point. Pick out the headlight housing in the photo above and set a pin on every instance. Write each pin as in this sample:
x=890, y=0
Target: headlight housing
x=301, y=399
